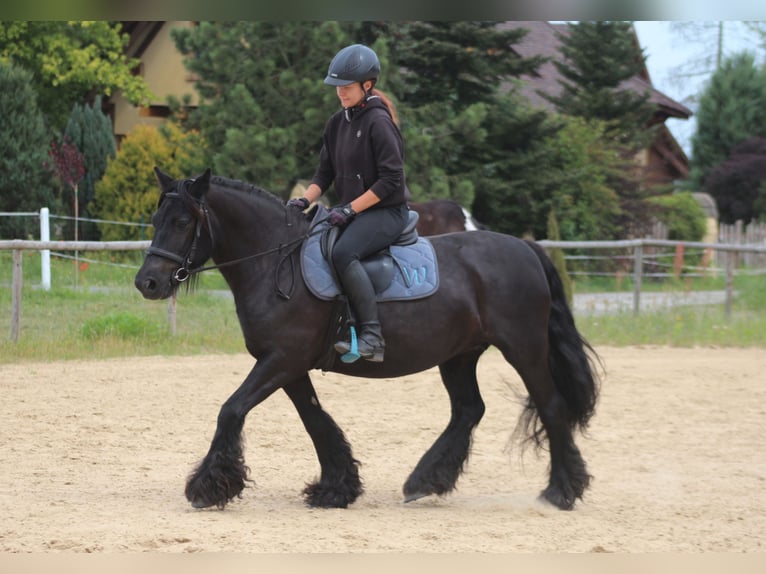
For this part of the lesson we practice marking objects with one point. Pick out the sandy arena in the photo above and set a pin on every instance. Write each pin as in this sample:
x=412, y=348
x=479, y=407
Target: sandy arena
x=94, y=456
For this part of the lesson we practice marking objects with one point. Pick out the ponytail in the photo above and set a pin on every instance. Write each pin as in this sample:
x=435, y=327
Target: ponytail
x=389, y=104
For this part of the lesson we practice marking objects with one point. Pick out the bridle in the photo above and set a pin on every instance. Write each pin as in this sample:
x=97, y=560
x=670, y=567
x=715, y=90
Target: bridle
x=201, y=214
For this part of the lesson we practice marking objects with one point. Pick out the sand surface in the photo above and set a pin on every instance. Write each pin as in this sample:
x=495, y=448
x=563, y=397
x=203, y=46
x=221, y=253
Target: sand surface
x=94, y=455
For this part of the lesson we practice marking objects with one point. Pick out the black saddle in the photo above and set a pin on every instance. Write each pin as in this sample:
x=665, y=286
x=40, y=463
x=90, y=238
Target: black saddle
x=380, y=266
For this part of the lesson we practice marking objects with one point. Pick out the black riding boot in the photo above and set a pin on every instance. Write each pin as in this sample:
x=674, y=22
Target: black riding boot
x=357, y=285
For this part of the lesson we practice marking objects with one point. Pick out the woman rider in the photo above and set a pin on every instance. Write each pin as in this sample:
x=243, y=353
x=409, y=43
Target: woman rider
x=363, y=154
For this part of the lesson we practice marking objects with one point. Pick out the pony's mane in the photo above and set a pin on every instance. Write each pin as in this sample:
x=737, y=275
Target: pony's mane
x=245, y=187
x=293, y=215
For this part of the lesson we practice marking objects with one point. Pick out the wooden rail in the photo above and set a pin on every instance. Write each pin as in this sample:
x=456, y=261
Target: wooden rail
x=638, y=245
x=17, y=246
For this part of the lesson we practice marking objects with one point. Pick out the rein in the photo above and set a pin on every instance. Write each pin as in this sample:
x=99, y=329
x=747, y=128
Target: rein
x=201, y=214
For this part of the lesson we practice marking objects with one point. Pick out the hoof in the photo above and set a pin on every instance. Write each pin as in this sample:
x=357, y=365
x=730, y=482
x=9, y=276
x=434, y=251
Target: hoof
x=413, y=496
x=199, y=504
x=557, y=499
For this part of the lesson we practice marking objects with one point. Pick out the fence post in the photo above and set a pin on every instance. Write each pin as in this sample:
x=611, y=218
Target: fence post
x=638, y=266
x=730, y=256
x=172, y=314
x=16, y=295
x=45, y=254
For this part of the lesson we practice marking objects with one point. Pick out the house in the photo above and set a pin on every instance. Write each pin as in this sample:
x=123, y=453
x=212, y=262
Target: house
x=664, y=161
x=162, y=67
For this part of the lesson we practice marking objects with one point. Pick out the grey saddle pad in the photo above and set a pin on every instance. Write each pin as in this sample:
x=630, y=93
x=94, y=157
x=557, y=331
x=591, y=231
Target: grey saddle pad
x=408, y=272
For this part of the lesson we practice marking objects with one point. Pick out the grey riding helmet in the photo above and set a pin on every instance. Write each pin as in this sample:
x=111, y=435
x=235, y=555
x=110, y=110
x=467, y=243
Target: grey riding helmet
x=355, y=63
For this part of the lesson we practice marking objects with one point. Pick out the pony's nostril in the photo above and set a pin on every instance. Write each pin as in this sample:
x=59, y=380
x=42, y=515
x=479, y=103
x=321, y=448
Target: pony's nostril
x=146, y=285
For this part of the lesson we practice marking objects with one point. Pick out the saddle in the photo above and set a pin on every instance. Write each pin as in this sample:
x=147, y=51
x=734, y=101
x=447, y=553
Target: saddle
x=407, y=269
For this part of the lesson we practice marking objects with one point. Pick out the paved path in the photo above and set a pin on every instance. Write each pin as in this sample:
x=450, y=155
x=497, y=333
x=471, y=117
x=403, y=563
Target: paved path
x=600, y=303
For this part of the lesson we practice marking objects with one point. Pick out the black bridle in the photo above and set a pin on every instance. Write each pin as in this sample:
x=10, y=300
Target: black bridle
x=202, y=216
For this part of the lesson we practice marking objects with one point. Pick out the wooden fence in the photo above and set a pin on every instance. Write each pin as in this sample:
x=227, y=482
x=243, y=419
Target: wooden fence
x=639, y=246
x=750, y=234
x=18, y=246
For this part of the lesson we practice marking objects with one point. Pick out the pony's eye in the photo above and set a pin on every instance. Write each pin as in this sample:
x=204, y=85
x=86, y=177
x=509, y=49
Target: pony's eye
x=183, y=222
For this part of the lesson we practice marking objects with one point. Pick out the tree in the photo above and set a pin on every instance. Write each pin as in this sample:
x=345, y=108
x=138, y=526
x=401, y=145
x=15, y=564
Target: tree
x=91, y=131
x=731, y=109
x=456, y=63
x=264, y=105
x=515, y=170
x=587, y=207
x=737, y=183
x=68, y=164
x=599, y=57
x=70, y=61
x=449, y=83
x=129, y=191
x=25, y=184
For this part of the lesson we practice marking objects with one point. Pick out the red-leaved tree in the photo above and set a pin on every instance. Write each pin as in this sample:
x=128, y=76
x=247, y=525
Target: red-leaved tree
x=68, y=164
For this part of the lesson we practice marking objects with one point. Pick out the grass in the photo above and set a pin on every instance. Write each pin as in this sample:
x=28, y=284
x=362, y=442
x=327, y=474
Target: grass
x=107, y=317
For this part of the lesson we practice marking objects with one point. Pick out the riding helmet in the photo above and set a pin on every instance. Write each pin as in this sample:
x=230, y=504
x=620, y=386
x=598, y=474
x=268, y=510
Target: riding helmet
x=355, y=63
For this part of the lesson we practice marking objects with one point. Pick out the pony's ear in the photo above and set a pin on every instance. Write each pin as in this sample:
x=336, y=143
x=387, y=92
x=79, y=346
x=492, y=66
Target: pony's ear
x=165, y=180
x=200, y=184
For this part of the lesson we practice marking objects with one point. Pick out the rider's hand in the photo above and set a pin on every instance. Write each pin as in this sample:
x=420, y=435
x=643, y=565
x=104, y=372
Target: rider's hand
x=341, y=216
x=299, y=202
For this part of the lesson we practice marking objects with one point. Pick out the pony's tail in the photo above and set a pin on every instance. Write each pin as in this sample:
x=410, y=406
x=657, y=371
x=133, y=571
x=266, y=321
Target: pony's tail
x=571, y=358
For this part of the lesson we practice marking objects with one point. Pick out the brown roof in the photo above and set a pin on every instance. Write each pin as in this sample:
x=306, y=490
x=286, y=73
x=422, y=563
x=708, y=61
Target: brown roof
x=542, y=40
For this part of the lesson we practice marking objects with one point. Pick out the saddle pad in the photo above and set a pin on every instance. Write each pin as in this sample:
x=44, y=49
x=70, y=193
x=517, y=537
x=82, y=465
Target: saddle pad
x=415, y=274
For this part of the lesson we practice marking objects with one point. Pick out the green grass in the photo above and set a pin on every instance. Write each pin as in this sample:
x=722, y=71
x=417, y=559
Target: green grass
x=679, y=327
x=107, y=317
x=93, y=322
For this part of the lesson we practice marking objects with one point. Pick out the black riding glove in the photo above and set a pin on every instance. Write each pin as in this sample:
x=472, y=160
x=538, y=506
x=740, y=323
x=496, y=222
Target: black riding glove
x=300, y=202
x=341, y=216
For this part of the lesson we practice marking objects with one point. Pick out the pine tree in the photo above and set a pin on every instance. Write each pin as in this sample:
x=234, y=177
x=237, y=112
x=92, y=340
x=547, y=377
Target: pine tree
x=25, y=184
x=264, y=103
x=457, y=63
x=91, y=131
x=598, y=58
x=453, y=87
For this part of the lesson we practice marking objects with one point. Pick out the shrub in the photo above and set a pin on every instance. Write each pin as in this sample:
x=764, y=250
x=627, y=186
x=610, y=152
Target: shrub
x=129, y=191
x=682, y=214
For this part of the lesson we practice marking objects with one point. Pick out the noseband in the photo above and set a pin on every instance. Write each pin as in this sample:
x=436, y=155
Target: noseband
x=199, y=210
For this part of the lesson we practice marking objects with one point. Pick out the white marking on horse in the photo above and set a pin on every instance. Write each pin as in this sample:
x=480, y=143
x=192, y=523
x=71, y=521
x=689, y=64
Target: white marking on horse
x=469, y=225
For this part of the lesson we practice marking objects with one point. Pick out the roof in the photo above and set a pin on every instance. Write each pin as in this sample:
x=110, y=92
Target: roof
x=542, y=40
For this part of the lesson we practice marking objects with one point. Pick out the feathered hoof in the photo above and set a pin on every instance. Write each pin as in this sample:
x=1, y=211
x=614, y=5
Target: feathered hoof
x=324, y=496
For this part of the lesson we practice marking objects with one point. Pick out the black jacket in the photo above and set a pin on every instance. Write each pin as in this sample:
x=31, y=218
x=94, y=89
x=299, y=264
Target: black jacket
x=362, y=149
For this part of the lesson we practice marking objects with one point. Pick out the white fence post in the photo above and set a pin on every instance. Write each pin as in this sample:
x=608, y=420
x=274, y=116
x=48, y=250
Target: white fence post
x=45, y=254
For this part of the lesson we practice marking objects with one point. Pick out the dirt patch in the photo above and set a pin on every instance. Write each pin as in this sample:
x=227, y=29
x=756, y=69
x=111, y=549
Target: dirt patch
x=94, y=457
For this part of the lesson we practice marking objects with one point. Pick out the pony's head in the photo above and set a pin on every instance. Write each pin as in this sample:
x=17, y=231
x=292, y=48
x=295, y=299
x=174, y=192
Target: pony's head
x=182, y=240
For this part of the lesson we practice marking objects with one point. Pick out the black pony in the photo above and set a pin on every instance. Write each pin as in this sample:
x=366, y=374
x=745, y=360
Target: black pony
x=494, y=289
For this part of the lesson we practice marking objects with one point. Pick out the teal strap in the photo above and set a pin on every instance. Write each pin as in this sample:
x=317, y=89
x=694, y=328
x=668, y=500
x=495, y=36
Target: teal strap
x=353, y=353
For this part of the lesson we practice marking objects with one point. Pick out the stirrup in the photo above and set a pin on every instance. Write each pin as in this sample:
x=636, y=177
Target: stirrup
x=352, y=354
